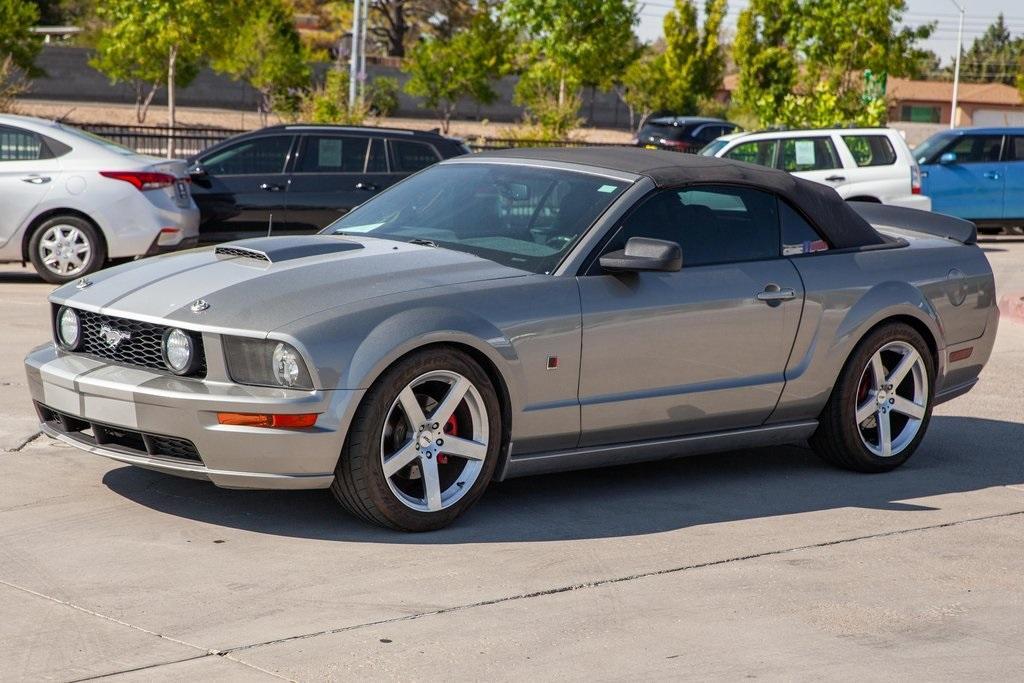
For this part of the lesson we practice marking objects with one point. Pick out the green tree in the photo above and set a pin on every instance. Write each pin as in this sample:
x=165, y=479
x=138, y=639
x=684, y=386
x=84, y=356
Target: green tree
x=18, y=44
x=644, y=85
x=266, y=52
x=566, y=44
x=162, y=42
x=787, y=49
x=694, y=61
x=442, y=71
x=994, y=56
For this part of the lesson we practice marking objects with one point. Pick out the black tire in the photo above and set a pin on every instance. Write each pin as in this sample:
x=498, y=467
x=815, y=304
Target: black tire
x=360, y=484
x=95, y=260
x=837, y=439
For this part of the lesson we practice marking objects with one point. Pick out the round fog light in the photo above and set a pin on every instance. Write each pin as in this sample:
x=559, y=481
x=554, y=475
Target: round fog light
x=69, y=330
x=179, y=352
x=286, y=365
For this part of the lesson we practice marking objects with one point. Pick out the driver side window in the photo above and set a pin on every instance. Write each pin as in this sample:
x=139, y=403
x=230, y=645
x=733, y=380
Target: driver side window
x=711, y=223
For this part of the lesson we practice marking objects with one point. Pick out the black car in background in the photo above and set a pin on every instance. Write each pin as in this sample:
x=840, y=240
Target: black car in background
x=681, y=133
x=300, y=178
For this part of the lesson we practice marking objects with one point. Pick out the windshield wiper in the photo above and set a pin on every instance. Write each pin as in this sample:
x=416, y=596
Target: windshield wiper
x=423, y=242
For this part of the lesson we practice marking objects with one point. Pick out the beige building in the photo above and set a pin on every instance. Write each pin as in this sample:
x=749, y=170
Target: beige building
x=978, y=104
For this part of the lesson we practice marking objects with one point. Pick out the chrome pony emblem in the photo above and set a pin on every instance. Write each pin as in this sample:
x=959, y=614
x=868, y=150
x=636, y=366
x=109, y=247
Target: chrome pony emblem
x=83, y=283
x=199, y=305
x=112, y=336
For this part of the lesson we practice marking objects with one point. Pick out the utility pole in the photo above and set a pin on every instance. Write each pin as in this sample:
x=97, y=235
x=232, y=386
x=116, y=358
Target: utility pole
x=956, y=68
x=354, y=59
x=362, y=49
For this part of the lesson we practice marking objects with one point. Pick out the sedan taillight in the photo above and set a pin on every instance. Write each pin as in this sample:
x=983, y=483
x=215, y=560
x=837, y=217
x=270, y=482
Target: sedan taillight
x=142, y=180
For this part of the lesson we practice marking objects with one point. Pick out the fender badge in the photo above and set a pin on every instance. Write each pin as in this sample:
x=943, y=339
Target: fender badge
x=83, y=283
x=199, y=305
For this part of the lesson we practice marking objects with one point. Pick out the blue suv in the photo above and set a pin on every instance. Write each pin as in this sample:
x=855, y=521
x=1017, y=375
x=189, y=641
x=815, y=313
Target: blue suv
x=977, y=174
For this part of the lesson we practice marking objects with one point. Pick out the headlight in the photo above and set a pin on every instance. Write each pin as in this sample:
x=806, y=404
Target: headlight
x=179, y=351
x=69, y=329
x=266, y=362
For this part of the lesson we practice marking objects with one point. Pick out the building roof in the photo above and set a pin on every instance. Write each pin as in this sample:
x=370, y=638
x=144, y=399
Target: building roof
x=997, y=94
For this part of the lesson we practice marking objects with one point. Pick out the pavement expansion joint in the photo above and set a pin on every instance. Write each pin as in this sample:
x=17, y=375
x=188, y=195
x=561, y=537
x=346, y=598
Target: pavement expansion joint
x=23, y=444
x=618, y=579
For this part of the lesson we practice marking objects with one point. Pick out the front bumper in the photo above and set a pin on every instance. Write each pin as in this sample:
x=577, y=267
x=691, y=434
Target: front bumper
x=140, y=405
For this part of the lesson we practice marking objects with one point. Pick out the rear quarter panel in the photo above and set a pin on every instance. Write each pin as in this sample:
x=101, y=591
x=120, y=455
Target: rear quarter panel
x=947, y=287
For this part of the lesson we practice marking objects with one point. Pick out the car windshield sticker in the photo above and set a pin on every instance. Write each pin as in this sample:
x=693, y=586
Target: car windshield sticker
x=329, y=153
x=805, y=152
x=607, y=188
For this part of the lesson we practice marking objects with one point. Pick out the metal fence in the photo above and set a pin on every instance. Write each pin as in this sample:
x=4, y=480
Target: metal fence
x=155, y=139
x=188, y=141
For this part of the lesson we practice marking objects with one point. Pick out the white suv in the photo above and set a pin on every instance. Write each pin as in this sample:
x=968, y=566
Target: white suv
x=72, y=200
x=862, y=164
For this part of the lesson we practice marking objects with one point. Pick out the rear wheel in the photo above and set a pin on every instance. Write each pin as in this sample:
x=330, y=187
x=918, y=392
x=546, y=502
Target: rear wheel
x=64, y=248
x=880, y=408
x=423, y=444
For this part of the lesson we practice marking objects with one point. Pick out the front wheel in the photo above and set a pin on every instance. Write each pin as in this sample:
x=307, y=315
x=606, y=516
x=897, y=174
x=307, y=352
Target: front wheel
x=423, y=444
x=881, y=405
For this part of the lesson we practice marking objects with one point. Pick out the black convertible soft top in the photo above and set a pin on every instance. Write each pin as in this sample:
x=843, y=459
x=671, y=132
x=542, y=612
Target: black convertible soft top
x=840, y=224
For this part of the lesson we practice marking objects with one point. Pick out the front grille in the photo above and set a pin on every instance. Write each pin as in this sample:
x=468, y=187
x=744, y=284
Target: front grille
x=119, y=438
x=142, y=348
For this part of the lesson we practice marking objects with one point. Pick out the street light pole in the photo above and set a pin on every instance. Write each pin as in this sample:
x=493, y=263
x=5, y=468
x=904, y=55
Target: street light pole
x=353, y=64
x=956, y=68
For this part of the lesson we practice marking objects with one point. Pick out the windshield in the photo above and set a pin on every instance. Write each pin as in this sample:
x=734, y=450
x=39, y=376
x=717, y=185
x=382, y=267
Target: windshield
x=96, y=139
x=927, y=149
x=525, y=217
x=712, y=148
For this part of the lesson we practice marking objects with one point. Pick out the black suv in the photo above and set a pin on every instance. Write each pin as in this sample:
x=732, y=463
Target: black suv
x=681, y=133
x=300, y=178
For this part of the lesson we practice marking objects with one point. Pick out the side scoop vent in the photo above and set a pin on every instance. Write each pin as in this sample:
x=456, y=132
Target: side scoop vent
x=278, y=249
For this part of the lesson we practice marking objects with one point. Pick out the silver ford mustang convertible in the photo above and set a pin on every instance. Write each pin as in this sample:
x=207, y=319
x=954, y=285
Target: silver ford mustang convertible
x=520, y=312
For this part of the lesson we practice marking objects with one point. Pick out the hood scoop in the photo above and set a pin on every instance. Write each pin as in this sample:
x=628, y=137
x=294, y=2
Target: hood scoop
x=278, y=249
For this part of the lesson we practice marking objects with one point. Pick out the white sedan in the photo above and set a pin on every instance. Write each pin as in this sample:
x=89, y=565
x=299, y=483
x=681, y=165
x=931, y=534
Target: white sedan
x=73, y=200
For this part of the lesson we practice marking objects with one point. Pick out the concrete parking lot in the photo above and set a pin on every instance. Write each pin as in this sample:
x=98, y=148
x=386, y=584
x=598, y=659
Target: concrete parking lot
x=762, y=563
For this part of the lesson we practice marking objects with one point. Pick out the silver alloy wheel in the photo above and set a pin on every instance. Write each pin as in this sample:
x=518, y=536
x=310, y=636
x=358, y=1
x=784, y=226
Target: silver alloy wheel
x=64, y=249
x=427, y=466
x=892, y=399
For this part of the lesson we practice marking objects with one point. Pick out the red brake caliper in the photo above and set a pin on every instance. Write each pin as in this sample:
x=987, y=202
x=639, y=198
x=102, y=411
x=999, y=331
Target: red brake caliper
x=450, y=427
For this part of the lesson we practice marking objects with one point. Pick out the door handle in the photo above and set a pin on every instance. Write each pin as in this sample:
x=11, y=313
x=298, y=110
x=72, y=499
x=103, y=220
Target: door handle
x=369, y=187
x=991, y=175
x=36, y=179
x=268, y=187
x=835, y=178
x=773, y=295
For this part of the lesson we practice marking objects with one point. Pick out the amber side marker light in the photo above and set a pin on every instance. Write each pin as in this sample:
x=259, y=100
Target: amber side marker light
x=263, y=420
x=962, y=354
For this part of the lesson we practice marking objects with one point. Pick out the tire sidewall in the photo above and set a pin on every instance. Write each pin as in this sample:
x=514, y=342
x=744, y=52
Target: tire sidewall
x=850, y=382
x=375, y=409
x=97, y=253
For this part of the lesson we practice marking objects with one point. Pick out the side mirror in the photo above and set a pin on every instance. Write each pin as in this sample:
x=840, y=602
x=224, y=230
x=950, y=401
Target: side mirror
x=948, y=158
x=644, y=253
x=196, y=170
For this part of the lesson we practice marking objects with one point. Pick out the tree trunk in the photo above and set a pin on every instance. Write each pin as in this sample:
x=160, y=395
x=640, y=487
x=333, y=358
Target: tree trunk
x=172, y=59
x=561, y=90
x=142, y=103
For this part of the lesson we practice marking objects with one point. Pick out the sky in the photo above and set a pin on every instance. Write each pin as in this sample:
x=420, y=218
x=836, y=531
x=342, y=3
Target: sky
x=980, y=13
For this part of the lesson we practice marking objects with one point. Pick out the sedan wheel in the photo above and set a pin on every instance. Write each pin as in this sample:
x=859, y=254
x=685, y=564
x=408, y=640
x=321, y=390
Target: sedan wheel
x=65, y=248
x=423, y=444
x=880, y=407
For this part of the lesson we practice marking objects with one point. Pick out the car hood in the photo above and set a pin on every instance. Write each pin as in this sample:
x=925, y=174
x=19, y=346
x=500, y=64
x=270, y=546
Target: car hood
x=262, y=284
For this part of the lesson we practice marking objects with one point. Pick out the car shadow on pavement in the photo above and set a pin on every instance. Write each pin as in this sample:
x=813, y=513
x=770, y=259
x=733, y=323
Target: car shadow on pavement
x=959, y=454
